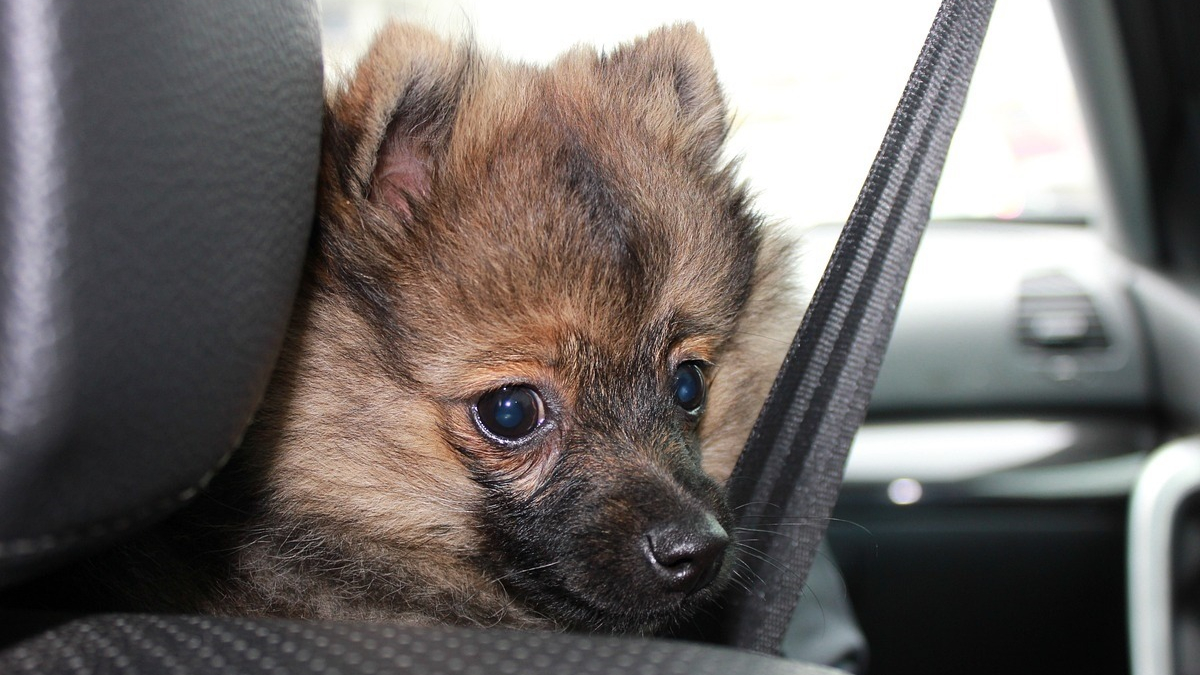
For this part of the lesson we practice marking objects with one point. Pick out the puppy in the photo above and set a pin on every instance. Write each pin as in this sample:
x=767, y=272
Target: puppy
x=537, y=322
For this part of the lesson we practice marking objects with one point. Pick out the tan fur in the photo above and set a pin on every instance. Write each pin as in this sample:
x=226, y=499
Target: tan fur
x=484, y=223
x=751, y=358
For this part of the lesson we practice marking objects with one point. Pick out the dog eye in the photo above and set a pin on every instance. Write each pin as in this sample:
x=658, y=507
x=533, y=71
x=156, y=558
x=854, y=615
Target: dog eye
x=689, y=386
x=511, y=412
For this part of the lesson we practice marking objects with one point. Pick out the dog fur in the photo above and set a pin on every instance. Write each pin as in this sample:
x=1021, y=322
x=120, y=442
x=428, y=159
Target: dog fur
x=482, y=223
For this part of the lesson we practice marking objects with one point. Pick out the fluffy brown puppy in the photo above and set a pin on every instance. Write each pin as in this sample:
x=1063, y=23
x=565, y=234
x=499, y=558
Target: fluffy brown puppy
x=538, y=320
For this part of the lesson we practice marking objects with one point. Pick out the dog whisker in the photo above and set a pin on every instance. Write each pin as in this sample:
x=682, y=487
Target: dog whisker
x=739, y=507
x=802, y=520
x=525, y=571
x=759, y=555
x=742, y=569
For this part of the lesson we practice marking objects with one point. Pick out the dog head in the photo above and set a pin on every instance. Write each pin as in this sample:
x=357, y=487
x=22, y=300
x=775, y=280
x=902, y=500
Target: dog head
x=532, y=343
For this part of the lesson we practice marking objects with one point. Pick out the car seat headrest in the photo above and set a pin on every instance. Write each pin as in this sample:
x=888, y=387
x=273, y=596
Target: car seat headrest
x=158, y=164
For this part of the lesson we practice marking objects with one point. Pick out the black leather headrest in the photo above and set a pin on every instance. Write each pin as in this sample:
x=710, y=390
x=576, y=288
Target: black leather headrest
x=158, y=162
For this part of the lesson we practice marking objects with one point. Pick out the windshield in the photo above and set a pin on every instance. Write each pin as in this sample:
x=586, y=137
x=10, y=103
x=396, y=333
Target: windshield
x=813, y=85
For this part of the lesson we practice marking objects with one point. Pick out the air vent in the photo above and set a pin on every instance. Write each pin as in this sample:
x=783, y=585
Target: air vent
x=1055, y=313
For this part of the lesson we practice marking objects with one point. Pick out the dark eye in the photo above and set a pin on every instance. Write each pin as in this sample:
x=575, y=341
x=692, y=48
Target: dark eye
x=511, y=412
x=689, y=386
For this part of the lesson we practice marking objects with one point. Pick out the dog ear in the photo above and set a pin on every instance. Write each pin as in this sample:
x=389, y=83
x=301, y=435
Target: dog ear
x=671, y=72
x=392, y=121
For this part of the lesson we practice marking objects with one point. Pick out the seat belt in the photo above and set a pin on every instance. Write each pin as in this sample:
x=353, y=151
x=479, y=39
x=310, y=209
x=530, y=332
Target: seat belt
x=786, y=481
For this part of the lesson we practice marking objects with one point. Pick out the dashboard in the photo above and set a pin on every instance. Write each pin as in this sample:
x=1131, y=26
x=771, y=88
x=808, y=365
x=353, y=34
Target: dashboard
x=982, y=525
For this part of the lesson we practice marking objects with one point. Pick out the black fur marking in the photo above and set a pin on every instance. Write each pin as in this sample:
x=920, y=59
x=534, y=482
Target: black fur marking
x=627, y=253
x=374, y=305
x=608, y=216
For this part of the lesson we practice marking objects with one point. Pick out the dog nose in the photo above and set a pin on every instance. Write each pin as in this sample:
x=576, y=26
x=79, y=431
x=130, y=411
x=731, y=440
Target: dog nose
x=686, y=555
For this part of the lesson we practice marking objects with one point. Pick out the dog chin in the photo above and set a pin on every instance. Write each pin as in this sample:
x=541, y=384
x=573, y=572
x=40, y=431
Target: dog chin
x=644, y=616
x=603, y=608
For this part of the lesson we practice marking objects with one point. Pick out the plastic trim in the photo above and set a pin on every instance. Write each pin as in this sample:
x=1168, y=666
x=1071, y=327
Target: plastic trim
x=1170, y=477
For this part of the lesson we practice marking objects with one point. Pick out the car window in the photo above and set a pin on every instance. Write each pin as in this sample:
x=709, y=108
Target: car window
x=813, y=85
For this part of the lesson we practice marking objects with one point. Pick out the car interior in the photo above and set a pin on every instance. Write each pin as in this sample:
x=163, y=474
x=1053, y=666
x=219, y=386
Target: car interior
x=1023, y=497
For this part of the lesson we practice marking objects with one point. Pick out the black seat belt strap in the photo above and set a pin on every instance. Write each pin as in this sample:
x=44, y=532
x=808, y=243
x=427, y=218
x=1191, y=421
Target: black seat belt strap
x=787, y=480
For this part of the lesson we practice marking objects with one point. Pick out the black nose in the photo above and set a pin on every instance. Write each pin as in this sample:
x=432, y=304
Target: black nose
x=686, y=555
